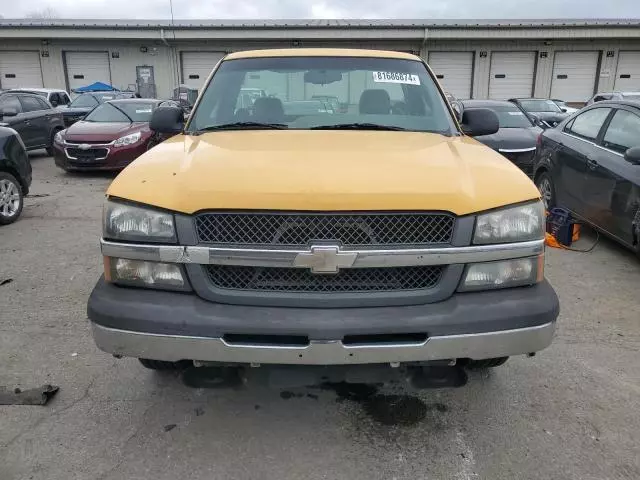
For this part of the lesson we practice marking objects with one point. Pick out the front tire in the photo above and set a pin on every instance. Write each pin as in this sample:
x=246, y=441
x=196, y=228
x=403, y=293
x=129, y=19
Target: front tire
x=50, y=150
x=547, y=190
x=11, y=198
x=162, y=365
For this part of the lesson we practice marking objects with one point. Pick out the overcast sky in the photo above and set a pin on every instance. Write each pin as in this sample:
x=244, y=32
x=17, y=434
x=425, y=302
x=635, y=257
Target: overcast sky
x=221, y=9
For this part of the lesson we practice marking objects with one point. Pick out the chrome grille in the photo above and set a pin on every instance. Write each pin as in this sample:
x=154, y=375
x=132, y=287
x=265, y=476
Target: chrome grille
x=351, y=280
x=350, y=229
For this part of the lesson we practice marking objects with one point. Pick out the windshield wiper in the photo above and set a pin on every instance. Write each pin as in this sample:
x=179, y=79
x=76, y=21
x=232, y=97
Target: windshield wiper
x=243, y=126
x=122, y=112
x=358, y=126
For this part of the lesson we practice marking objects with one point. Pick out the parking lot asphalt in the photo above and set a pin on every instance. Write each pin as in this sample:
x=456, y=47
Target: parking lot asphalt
x=571, y=412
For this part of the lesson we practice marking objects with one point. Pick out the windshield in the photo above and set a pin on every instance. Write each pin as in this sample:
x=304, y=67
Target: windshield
x=511, y=117
x=305, y=92
x=122, y=112
x=540, y=106
x=84, y=101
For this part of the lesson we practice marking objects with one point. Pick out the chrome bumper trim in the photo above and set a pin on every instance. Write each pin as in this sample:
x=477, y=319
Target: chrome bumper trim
x=516, y=150
x=287, y=258
x=329, y=352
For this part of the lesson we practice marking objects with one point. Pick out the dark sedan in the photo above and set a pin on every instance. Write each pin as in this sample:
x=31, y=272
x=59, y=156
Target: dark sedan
x=546, y=111
x=590, y=164
x=109, y=138
x=517, y=136
x=86, y=102
x=15, y=175
x=32, y=117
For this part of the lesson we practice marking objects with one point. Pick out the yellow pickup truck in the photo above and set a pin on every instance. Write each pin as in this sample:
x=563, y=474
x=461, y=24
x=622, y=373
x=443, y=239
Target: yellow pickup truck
x=381, y=234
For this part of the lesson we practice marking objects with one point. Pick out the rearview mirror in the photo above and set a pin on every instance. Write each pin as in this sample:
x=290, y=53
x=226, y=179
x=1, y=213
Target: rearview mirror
x=632, y=155
x=8, y=112
x=167, y=120
x=322, y=77
x=479, y=121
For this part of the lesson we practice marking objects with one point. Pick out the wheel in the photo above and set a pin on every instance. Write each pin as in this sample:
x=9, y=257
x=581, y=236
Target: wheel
x=547, y=192
x=487, y=363
x=162, y=365
x=11, y=198
x=50, y=150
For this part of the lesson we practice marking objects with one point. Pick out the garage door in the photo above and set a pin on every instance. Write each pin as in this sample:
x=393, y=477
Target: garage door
x=574, y=76
x=628, y=73
x=454, y=71
x=85, y=68
x=20, y=69
x=511, y=75
x=196, y=67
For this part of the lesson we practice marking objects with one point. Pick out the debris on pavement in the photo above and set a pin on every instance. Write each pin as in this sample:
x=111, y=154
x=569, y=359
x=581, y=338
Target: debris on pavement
x=5, y=281
x=32, y=396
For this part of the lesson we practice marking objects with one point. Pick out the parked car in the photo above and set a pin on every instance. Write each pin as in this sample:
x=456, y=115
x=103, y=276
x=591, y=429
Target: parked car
x=86, y=102
x=590, y=164
x=110, y=137
x=56, y=97
x=602, y=96
x=541, y=111
x=564, y=107
x=372, y=237
x=517, y=136
x=32, y=117
x=15, y=175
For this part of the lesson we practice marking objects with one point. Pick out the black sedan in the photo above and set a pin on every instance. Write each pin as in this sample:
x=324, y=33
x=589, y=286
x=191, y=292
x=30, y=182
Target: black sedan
x=32, y=117
x=517, y=136
x=86, y=102
x=15, y=175
x=546, y=111
x=590, y=165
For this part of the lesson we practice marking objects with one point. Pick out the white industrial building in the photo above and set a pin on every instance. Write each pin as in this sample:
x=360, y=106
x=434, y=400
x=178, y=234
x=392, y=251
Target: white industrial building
x=565, y=59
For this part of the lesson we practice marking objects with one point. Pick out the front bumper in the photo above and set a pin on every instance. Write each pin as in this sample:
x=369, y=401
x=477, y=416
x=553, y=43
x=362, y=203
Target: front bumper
x=175, y=326
x=116, y=159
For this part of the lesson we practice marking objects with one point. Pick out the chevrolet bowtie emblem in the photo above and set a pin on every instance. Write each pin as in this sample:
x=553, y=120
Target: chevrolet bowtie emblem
x=84, y=146
x=325, y=259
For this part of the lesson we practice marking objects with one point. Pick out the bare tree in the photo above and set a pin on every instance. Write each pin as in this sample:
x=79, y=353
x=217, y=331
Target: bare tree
x=45, y=13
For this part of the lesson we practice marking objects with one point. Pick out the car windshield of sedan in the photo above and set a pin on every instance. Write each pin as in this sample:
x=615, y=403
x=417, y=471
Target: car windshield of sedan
x=83, y=101
x=322, y=93
x=121, y=112
x=511, y=117
x=540, y=106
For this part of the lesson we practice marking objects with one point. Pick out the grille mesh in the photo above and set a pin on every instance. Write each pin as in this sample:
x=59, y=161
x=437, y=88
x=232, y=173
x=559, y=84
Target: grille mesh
x=303, y=281
x=300, y=229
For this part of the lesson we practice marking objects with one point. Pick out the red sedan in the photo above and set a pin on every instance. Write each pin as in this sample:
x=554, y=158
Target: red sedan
x=112, y=136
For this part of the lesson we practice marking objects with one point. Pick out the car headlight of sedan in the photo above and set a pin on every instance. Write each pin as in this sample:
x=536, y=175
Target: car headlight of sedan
x=59, y=137
x=138, y=224
x=128, y=140
x=514, y=224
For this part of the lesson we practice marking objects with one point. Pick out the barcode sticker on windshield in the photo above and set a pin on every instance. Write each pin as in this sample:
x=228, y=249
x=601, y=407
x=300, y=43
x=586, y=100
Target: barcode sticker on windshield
x=396, y=77
x=515, y=113
x=146, y=110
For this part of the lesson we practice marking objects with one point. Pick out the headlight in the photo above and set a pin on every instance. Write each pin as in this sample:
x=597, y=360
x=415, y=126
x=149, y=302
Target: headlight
x=138, y=224
x=58, y=138
x=515, y=224
x=127, y=140
x=503, y=274
x=138, y=273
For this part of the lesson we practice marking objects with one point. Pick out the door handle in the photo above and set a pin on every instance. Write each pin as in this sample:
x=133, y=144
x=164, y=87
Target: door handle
x=592, y=164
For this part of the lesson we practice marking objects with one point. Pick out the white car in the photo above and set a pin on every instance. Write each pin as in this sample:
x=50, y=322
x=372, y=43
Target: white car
x=56, y=97
x=599, y=97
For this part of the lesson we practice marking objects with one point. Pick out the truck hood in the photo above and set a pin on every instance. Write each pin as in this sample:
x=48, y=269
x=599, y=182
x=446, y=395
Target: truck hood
x=316, y=170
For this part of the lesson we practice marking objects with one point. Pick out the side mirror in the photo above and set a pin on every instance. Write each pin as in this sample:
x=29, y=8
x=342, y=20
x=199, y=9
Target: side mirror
x=457, y=109
x=8, y=112
x=479, y=121
x=167, y=120
x=632, y=155
x=564, y=110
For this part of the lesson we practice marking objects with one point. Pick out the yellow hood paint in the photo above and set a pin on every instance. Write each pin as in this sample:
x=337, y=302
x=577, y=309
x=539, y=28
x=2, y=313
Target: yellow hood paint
x=323, y=171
